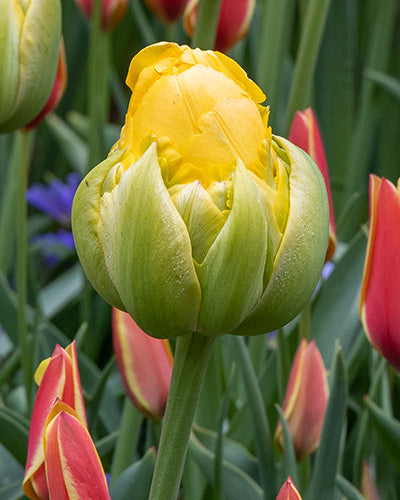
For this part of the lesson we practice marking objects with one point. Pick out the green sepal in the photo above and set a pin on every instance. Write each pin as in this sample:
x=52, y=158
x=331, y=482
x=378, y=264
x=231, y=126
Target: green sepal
x=148, y=252
x=231, y=275
x=301, y=254
x=29, y=48
x=84, y=220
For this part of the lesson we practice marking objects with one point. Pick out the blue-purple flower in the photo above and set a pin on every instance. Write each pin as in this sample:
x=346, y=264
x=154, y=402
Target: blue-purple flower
x=55, y=200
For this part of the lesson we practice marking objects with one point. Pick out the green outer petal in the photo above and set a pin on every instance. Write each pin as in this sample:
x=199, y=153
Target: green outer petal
x=85, y=218
x=35, y=63
x=148, y=251
x=301, y=254
x=231, y=275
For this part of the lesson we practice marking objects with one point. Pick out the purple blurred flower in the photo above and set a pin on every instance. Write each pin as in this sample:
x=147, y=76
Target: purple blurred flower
x=55, y=200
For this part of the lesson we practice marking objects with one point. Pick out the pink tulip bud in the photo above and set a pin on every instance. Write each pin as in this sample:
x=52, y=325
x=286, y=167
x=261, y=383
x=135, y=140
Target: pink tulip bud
x=145, y=365
x=233, y=23
x=288, y=491
x=305, y=134
x=57, y=92
x=73, y=467
x=168, y=11
x=112, y=11
x=379, y=305
x=305, y=400
x=58, y=378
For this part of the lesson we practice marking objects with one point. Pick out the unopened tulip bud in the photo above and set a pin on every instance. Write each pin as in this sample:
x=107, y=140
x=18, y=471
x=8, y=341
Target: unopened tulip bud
x=57, y=92
x=145, y=365
x=73, y=467
x=288, y=491
x=200, y=220
x=305, y=133
x=112, y=11
x=305, y=400
x=30, y=34
x=233, y=22
x=58, y=378
x=168, y=11
x=380, y=291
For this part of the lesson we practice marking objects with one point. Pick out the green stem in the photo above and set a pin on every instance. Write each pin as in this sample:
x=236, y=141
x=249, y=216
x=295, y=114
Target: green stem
x=98, y=97
x=206, y=24
x=191, y=357
x=124, y=453
x=22, y=253
x=306, y=61
x=304, y=326
x=263, y=441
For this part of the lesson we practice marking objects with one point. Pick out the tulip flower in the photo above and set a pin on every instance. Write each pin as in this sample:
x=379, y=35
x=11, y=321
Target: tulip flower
x=305, y=134
x=200, y=220
x=57, y=92
x=112, y=11
x=233, y=22
x=305, y=400
x=58, y=378
x=145, y=365
x=29, y=46
x=368, y=483
x=288, y=491
x=73, y=467
x=379, y=305
x=168, y=11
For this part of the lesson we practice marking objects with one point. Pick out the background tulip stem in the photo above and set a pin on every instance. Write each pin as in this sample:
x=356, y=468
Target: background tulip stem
x=262, y=433
x=22, y=143
x=125, y=449
x=304, y=325
x=206, y=24
x=191, y=358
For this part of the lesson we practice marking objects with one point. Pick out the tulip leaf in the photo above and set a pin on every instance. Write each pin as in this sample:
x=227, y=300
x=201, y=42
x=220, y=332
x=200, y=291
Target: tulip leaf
x=14, y=431
x=350, y=492
x=388, y=430
x=236, y=484
x=322, y=483
x=136, y=478
x=289, y=464
x=233, y=452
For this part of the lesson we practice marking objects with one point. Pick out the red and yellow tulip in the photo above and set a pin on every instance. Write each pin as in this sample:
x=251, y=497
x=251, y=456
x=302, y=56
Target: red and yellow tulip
x=288, y=491
x=112, y=11
x=379, y=305
x=305, y=400
x=168, y=11
x=145, y=365
x=233, y=23
x=58, y=378
x=73, y=467
x=305, y=133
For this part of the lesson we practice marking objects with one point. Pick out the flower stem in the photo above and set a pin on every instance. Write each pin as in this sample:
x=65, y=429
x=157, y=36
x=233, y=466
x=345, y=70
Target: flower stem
x=191, y=357
x=23, y=141
x=206, y=24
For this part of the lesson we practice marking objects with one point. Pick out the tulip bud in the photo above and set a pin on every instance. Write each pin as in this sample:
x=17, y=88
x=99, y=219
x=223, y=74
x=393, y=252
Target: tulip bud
x=288, y=491
x=380, y=291
x=59, y=86
x=30, y=34
x=305, y=400
x=58, y=377
x=168, y=11
x=200, y=220
x=112, y=11
x=145, y=365
x=73, y=467
x=233, y=22
x=305, y=134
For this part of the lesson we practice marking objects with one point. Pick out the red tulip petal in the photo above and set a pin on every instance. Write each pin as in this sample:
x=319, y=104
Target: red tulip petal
x=288, y=491
x=145, y=365
x=380, y=292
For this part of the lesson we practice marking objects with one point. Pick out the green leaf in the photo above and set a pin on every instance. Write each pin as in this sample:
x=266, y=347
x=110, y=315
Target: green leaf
x=387, y=82
x=289, y=464
x=14, y=432
x=348, y=489
x=237, y=485
x=11, y=475
x=388, y=430
x=135, y=481
x=322, y=484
